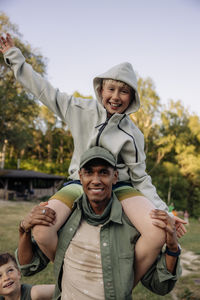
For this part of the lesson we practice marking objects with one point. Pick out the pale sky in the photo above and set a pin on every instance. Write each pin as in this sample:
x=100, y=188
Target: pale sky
x=83, y=38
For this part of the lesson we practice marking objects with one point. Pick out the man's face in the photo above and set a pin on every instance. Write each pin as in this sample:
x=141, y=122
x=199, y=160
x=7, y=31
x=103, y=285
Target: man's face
x=9, y=279
x=115, y=98
x=97, y=180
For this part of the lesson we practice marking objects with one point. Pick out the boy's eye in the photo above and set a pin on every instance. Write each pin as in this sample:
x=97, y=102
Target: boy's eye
x=11, y=270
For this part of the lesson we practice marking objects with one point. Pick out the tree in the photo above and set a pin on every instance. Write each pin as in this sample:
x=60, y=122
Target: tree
x=148, y=115
x=18, y=109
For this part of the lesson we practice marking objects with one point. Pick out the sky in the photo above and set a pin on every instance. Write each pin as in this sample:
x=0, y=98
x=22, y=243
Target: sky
x=84, y=38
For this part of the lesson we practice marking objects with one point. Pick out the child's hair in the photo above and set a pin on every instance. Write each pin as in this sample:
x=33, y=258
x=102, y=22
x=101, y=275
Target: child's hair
x=120, y=84
x=6, y=257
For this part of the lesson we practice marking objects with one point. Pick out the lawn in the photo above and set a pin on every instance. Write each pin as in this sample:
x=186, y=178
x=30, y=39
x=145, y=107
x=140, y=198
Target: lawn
x=187, y=288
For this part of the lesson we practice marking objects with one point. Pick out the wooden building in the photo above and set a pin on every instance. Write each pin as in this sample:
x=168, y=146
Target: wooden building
x=26, y=184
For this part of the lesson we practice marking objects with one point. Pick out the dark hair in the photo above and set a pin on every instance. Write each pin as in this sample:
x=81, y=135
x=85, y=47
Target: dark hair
x=6, y=257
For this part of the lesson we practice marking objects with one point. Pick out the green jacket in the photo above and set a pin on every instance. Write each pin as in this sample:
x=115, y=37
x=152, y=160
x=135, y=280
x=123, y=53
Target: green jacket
x=117, y=242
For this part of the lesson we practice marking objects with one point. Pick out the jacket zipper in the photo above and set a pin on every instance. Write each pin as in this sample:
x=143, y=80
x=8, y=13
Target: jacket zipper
x=103, y=125
x=136, y=150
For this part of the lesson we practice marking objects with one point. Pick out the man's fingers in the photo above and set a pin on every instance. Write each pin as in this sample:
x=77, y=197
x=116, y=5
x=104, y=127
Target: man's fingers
x=179, y=220
x=159, y=223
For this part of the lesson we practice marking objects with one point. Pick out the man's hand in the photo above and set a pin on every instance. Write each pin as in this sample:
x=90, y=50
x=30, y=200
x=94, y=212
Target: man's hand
x=6, y=43
x=162, y=220
x=39, y=215
x=180, y=228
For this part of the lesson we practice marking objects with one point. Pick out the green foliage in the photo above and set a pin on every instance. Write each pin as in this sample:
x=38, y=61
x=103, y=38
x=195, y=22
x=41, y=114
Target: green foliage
x=33, y=134
x=41, y=166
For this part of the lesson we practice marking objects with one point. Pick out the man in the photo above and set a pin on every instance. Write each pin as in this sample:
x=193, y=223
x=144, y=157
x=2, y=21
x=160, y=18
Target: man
x=95, y=252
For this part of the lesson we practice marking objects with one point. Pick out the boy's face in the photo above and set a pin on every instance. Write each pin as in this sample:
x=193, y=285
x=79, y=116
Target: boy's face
x=115, y=98
x=9, y=279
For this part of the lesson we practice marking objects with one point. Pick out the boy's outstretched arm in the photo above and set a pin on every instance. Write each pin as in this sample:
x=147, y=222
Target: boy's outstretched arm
x=35, y=217
x=43, y=291
x=6, y=43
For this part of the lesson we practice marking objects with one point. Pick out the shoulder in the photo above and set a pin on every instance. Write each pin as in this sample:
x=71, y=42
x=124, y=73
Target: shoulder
x=82, y=102
x=26, y=291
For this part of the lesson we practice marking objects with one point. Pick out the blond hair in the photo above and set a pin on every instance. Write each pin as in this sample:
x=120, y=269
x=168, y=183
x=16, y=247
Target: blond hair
x=119, y=83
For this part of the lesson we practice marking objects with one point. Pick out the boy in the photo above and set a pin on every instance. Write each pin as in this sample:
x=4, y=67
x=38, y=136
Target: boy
x=12, y=289
x=104, y=123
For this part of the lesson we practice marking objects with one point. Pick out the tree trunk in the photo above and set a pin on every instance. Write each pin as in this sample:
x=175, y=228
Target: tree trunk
x=3, y=154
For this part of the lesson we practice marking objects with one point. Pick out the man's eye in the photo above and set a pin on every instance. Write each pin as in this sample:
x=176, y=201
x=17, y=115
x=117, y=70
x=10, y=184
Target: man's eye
x=88, y=172
x=104, y=172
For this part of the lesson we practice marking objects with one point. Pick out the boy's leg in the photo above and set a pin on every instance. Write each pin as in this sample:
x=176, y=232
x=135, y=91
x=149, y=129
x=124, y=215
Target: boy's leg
x=148, y=246
x=61, y=202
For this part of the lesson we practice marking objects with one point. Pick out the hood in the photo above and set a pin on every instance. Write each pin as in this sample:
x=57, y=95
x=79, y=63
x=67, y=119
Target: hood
x=122, y=72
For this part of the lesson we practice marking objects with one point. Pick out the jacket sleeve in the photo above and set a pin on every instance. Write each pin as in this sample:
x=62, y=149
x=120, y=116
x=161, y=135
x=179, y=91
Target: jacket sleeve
x=134, y=157
x=37, y=85
x=158, y=279
x=38, y=263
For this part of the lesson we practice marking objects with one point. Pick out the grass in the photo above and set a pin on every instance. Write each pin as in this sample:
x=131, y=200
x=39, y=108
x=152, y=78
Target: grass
x=10, y=216
x=187, y=288
x=191, y=240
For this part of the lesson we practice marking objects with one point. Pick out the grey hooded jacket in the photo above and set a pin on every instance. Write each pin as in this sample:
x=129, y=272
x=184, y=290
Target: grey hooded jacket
x=87, y=120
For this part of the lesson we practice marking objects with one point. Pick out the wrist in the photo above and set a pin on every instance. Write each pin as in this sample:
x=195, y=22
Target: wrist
x=173, y=251
x=22, y=228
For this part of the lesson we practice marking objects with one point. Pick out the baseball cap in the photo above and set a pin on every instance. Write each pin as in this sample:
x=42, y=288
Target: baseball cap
x=97, y=152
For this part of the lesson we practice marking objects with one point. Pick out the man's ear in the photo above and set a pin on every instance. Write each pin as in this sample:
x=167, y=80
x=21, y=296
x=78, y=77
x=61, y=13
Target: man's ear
x=80, y=176
x=115, y=176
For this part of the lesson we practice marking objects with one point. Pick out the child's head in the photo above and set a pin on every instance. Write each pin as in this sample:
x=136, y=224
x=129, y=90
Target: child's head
x=116, y=96
x=117, y=89
x=9, y=275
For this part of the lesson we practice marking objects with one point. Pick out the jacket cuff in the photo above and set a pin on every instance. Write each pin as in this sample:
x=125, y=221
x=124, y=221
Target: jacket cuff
x=164, y=274
x=13, y=56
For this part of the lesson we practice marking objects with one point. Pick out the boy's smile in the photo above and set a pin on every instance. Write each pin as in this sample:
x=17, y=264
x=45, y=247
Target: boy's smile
x=115, y=98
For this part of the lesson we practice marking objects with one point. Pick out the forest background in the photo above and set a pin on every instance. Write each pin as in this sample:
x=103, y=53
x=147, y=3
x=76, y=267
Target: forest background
x=33, y=138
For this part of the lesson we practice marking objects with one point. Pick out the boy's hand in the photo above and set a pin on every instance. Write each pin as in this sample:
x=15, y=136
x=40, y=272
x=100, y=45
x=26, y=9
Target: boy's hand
x=6, y=43
x=39, y=215
x=162, y=220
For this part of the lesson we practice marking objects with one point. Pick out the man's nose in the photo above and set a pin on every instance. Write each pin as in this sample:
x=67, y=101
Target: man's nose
x=96, y=178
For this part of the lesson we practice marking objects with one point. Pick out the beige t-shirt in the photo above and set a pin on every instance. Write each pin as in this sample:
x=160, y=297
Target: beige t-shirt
x=82, y=269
